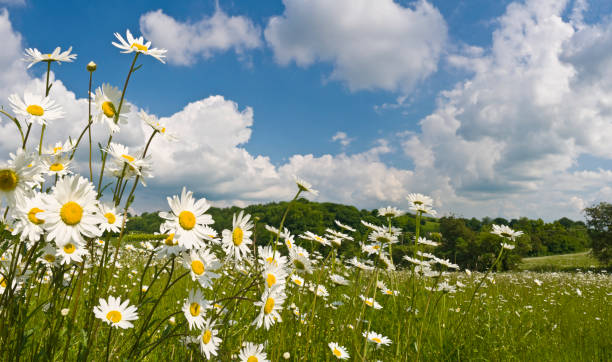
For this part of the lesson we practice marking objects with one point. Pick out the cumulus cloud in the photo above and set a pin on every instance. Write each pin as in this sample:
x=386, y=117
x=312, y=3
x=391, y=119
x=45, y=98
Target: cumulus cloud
x=342, y=138
x=508, y=137
x=187, y=42
x=372, y=44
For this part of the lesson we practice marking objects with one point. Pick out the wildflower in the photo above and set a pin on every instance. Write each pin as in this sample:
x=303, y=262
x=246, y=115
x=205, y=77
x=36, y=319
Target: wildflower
x=58, y=148
x=111, y=222
x=236, y=242
x=35, y=108
x=299, y=259
x=34, y=56
x=194, y=307
x=209, y=342
x=507, y=246
x=271, y=304
x=201, y=264
x=70, y=213
x=152, y=121
x=274, y=276
x=187, y=219
x=320, y=291
x=297, y=280
x=253, y=353
x=390, y=212
x=70, y=252
x=115, y=313
x=91, y=66
x=29, y=226
x=314, y=237
x=370, y=302
x=338, y=279
x=128, y=165
x=379, y=339
x=107, y=99
x=346, y=227
x=138, y=45
x=427, y=242
x=338, y=351
x=506, y=232
x=304, y=185
x=419, y=200
x=267, y=256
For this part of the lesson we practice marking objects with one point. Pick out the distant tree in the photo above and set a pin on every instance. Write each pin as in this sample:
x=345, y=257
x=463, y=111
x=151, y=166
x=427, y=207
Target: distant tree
x=599, y=223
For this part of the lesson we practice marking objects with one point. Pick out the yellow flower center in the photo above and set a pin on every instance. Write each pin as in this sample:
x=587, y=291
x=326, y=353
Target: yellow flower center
x=206, y=336
x=237, y=236
x=69, y=248
x=271, y=280
x=252, y=359
x=271, y=260
x=140, y=47
x=71, y=213
x=269, y=305
x=8, y=180
x=170, y=240
x=197, y=267
x=56, y=167
x=376, y=339
x=35, y=110
x=56, y=149
x=114, y=316
x=50, y=258
x=297, y=281
x=3, y=282
x=369, y=302
x=187, y=220
x=128, y=158
x=32, y=216
x=108, y=108
x=337, y=353
x=163, y=130
x=194, y=309
x=110, y=217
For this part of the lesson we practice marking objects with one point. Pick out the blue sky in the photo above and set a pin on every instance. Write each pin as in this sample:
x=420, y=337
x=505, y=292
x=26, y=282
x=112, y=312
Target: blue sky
x=306, y=75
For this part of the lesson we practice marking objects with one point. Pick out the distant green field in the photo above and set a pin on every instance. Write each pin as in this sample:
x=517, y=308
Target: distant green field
x=562, y=262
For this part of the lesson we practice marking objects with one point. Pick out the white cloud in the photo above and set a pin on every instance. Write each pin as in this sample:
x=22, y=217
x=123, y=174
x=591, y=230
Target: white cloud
x=343, y=138
x=187, y=42
x=372, y=44
x=507, y=138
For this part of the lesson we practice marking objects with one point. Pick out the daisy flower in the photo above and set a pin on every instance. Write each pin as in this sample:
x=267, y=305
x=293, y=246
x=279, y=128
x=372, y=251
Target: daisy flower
x=138, y=45
x=35, y=108
x=252, y=352
x=299, y=259
x=338, y=279
x=267, y=256
x=381, y=237
x=420, y=199
x=107, y=100
x=424, y=209
x=297, y=280
x=507, y=246
x=112, y=221
x=304, y=185
x=506, y=232
x=371, y=302
x=48, y=256
x=18, y=176
x=321, y=291
x=236, y=242
x=34, y=56
x=390, y=212
x=152, y=121
x=271, y=304
x=201, y=263
x=338, y=234
x=428, y=242
x=115, y=313
x=338, y=351
x=209, y=342
x=28, y=225
x=314, y=237
x=379, y=339
x=71, y=211
x=345, y=227
x=70, y=252
x=274, y=276
x=372, y=226
x=123, y=161
x=169, y=245
x=187, y=219
x=194, y=308
x=58, y=148
x=56, y=165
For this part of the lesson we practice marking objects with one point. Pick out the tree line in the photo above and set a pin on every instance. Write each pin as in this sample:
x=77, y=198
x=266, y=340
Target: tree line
x=467, y=242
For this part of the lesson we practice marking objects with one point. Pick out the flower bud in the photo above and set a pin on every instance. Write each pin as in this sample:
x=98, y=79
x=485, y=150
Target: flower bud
x=91, y=66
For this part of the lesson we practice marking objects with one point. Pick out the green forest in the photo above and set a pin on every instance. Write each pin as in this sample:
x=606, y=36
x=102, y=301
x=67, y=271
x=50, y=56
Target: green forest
x=467, y=242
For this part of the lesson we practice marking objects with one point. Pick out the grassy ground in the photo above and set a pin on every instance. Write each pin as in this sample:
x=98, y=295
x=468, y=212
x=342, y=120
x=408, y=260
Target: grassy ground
x=564, y=262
